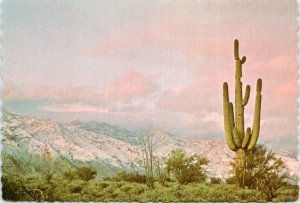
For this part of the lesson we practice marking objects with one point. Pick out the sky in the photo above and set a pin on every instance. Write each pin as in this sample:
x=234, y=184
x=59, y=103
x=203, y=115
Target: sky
x=133, y=63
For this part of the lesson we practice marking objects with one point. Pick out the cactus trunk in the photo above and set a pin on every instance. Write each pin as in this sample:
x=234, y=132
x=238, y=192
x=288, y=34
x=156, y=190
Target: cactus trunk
x=239, y=109
x=240, y=157
x=236, y=138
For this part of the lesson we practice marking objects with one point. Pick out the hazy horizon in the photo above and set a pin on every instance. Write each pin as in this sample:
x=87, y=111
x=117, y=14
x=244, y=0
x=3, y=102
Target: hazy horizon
x=133, y=63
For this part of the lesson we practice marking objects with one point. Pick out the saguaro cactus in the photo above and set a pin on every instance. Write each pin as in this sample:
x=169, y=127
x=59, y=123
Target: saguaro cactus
x=236, y=138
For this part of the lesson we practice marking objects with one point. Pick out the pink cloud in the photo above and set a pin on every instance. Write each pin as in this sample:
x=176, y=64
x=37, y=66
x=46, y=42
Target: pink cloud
x=276, y=69
x=202, y=123
x=289, y=88
x=212, y=117
x=185, y=33
x=128, y=85
x=280, y=89
x=277, y=127
x=64, y=94
x=72, y=108
x=196, y=97
x=164, y=30
x=160, y=32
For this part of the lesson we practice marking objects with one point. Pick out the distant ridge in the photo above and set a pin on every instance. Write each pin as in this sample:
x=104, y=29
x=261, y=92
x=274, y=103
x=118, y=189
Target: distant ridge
x=109, y=147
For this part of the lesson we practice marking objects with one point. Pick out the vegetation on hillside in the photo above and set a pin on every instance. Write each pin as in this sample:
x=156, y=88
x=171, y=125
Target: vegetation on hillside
x=44, y=181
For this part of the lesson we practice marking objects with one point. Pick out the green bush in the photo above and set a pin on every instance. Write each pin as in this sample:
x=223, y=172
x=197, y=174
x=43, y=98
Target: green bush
x=93, y=190
x=130, y=177
x=69, y=174
x=11, y=189
x=287, y=193
x=76, y=186
x=215, y=180
x=231, y=180
x=186, y=169
x=263, y=171
x=86, y=173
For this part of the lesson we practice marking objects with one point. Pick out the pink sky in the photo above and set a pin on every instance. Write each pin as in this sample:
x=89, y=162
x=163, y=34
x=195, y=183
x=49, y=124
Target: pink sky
x=135, y=62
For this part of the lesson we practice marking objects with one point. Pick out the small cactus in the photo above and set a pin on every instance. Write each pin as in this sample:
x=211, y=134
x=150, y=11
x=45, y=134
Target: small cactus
x=236, y=138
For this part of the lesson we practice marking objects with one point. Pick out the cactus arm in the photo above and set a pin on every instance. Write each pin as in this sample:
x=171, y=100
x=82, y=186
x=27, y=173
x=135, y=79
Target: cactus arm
x=243, y=60
x=246, y=138
x=236, y=138
x=246, y=96
x=256, y=119
x=239, y=108
x=236, y=52
x=227, y=122
x=231, y=115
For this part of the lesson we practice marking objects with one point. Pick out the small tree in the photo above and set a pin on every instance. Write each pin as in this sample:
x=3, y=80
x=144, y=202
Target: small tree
x=86, y=173
x=146, y=144
x=69, y=174
x=186, y=169
x=264, y=171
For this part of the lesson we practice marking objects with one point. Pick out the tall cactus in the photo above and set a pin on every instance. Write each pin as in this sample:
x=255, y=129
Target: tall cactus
x=236, y=138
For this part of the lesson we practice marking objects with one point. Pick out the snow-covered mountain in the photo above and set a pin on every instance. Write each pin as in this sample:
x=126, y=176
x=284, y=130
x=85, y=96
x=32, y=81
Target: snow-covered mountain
x=113, y=146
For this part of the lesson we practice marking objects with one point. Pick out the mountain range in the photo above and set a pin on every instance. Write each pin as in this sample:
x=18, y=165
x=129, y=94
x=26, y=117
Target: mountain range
x=110, y=148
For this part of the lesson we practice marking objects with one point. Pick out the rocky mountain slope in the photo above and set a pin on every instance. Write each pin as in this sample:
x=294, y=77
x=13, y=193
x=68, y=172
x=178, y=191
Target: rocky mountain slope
x=113, y=146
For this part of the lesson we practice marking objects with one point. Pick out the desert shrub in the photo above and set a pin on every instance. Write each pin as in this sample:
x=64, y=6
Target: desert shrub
x=103, y=185
x=28, y=189
x=112, y=191
x=166, y=194
x=11, y=189
x=138, y=189
x=92, y=192
x=113, y=186
x=76, y=186
x=247, y=195
x=107, y=178
x=96, y=189
x=119, y=195
x=161, y=171
x=126, y=188
x=263, y=171
x=133, y=190
x=177, y=190
x=86, y=173
x=287, y=193
x=74, y=197
x=186, y=169
x=215, y=180
x=69, y=174
x=195, y=192
x=231, y=180
x=130, y=177
x=225, y=192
